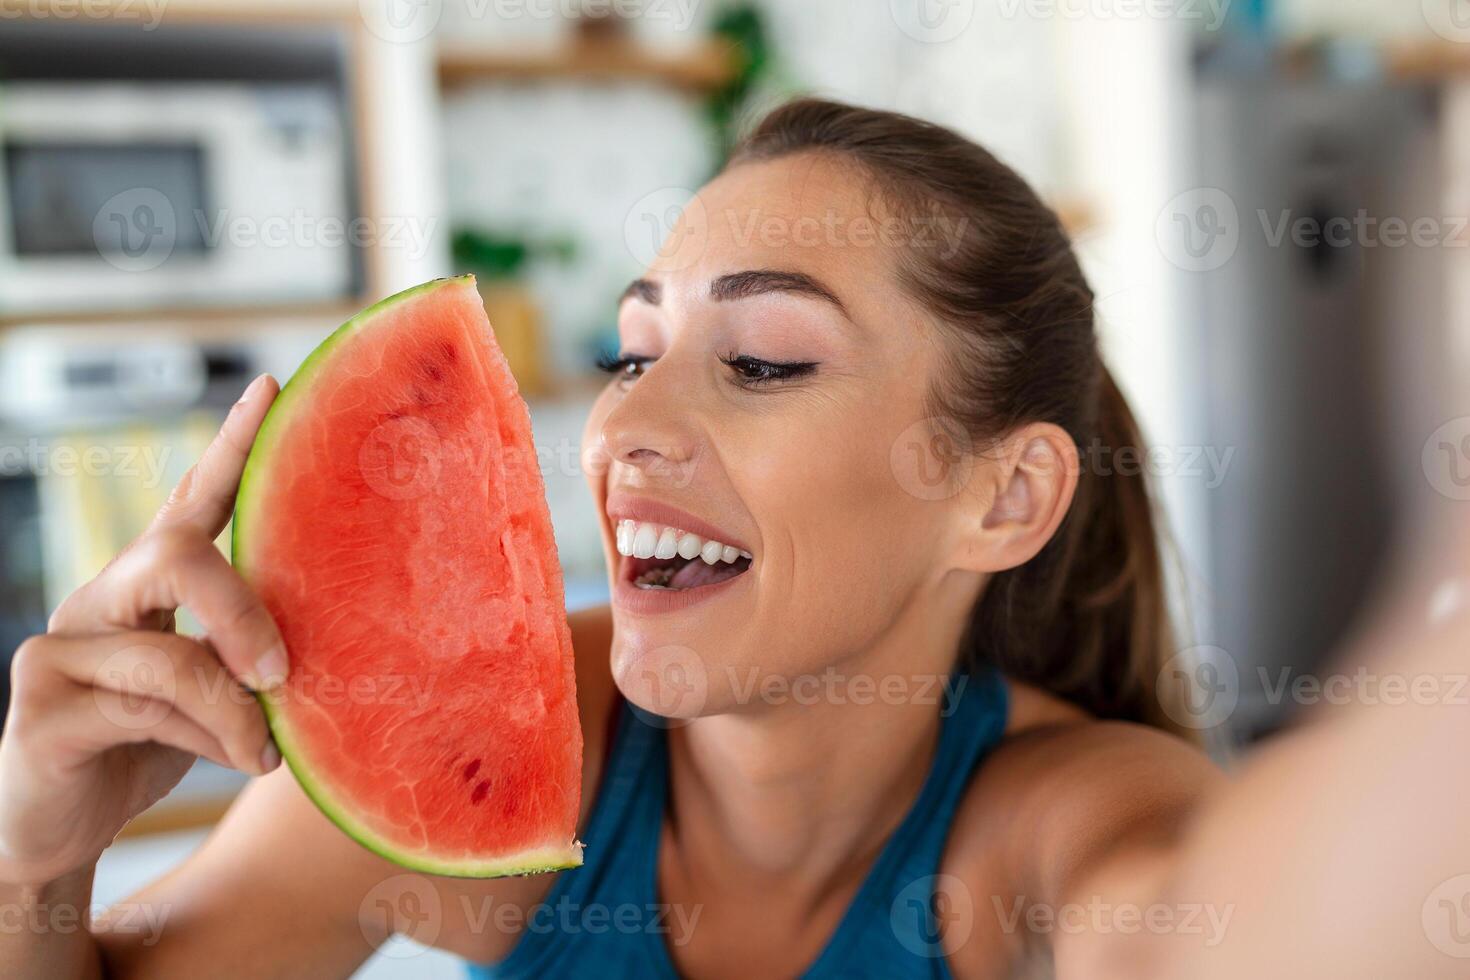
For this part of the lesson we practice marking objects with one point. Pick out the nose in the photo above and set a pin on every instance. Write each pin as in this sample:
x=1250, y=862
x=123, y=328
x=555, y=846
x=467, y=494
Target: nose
x=651, y=429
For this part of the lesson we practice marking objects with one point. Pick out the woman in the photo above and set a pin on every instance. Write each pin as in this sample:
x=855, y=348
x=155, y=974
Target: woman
x=911, y=730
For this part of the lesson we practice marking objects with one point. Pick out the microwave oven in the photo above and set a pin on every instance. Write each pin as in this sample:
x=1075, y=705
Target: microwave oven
x=149, y=195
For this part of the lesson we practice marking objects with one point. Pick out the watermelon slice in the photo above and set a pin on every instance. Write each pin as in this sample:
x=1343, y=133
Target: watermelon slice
x=393, y=519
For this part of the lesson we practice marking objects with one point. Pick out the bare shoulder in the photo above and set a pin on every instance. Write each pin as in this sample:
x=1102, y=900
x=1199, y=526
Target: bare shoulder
x=1065, y=775
x=1063, y=795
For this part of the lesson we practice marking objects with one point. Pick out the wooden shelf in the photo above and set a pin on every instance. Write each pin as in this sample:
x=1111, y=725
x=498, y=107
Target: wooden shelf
x=1401, y=61
x=1440, y=61
x=706, y=68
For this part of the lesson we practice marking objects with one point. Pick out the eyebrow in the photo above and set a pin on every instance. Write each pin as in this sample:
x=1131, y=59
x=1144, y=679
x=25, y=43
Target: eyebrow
x=645, y=289
x=756, y=282
x=743, y=285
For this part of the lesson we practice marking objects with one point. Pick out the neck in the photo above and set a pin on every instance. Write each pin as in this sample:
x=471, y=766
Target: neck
x=815, y=772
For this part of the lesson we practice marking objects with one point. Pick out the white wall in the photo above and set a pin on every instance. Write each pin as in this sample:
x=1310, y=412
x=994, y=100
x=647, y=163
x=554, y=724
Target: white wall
x=1126, y=83
x=1083, y=109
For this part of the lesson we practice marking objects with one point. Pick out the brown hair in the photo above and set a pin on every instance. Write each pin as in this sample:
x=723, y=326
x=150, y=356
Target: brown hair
x=1086, y=618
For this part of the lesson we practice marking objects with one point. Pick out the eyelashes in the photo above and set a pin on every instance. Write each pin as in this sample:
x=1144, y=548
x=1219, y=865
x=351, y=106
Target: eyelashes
x=747, y=371
x=623, y=367
x=755, y=371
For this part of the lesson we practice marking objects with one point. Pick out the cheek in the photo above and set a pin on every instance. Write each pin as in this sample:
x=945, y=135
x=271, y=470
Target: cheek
x=845, y=536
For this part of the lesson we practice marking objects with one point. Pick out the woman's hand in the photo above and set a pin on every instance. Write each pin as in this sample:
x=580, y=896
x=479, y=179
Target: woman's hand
x=110, y=707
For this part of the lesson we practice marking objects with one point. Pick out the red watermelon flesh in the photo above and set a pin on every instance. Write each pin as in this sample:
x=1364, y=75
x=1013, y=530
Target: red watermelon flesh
x=393, y=518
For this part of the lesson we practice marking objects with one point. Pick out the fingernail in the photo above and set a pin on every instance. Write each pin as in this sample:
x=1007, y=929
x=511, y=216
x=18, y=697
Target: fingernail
x=251, y=389
x=270, y=669
x=270, y=756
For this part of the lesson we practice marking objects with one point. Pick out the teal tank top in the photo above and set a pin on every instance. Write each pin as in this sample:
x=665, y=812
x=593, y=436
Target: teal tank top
x=604, y=919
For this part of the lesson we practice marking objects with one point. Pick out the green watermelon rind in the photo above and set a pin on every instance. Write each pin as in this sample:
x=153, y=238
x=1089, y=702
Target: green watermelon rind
x=281, y=412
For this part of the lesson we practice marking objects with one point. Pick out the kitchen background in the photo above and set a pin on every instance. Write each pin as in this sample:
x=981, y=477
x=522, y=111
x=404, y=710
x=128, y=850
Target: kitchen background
x=1270, y=199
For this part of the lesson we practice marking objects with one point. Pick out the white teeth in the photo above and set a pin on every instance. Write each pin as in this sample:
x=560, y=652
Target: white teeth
x=643, y=540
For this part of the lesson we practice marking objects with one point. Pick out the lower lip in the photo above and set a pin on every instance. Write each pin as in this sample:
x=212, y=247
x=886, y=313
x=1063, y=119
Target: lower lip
x=630, y=597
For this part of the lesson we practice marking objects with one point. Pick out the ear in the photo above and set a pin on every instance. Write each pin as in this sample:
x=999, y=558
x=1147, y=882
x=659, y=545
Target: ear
x=1019, y=494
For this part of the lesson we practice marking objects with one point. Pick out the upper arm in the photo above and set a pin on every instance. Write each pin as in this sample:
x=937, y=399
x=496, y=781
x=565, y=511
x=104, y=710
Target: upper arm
x=1068, y=830
x=278, y=890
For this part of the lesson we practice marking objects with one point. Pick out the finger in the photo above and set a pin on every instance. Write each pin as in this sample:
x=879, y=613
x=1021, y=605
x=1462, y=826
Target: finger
x=205, y=497
x=157, y=675
x=88, y=720
x=75, y=723
x=180, y=566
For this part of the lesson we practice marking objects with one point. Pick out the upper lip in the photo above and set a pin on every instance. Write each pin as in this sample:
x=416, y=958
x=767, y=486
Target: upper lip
x=625, y=508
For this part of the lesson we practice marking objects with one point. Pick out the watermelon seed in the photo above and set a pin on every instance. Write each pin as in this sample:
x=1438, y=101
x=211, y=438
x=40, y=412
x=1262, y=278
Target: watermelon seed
x=471, y=769
x=482, y=788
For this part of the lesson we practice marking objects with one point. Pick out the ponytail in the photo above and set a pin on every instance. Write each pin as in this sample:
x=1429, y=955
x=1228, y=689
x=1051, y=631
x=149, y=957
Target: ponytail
x=1087, y=618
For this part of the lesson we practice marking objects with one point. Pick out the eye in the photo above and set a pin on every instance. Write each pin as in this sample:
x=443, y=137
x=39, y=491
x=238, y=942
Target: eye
x=754, y=372
x=624, y=367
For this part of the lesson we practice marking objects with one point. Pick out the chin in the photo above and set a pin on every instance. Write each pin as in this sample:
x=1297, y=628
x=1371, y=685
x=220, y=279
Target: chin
x=658, y=675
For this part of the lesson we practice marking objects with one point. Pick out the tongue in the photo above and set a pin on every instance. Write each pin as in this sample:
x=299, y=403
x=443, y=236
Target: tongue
x=696, y=573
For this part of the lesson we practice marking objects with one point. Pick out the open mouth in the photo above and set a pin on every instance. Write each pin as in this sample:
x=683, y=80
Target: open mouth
x=671, y=559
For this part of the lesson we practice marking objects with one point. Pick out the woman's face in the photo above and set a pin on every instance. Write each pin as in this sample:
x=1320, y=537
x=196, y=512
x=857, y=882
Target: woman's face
x=772, y=401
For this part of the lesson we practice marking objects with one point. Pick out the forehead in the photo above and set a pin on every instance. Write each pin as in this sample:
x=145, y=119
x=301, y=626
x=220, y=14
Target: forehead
x=807, y=213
